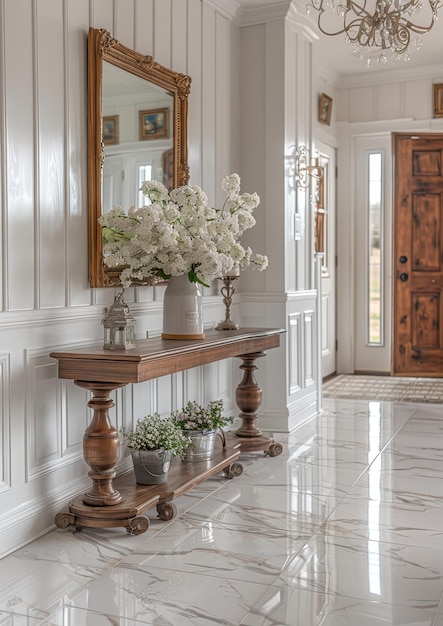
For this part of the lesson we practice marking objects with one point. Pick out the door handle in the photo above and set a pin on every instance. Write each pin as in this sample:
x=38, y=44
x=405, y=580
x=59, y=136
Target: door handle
x=404, y=277
x=403, y=259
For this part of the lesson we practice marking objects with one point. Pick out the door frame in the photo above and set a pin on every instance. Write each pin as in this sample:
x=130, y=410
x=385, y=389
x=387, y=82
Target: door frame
x=328, y=353
x=346, y=186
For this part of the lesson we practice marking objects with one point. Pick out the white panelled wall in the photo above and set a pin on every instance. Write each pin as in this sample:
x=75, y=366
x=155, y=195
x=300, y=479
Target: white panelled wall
x=241, y=118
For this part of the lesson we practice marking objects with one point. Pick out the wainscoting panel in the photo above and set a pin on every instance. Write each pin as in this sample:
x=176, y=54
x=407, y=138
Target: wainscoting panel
x=44, y=416
x=141, y=401
x=295, y=353
x=75, y=418
x=5, y=417
x=302, y=356
x=310, y=343
x=326, y=347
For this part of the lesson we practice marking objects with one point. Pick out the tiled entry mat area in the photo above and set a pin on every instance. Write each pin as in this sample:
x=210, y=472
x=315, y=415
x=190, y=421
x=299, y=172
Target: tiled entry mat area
x=385, y=388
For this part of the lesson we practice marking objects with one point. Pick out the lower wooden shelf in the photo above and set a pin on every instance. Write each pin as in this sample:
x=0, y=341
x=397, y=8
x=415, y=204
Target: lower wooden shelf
x=137, y=499
x=254, y=444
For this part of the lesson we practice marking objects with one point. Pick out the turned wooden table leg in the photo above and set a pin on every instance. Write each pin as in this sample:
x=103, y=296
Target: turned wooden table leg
x=249, y=396
x=101, y=445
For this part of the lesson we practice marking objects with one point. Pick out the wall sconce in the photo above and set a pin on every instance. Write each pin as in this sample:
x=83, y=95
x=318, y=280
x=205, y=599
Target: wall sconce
x=303, y=167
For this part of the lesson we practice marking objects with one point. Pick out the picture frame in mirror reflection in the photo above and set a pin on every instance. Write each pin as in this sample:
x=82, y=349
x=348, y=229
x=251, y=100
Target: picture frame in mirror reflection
x=438, y=100
x=154, y=124
x=110, y=130
x=324, y=109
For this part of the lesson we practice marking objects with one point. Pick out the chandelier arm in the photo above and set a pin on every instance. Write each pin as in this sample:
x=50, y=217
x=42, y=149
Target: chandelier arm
x=419, y=30
x=358, y=9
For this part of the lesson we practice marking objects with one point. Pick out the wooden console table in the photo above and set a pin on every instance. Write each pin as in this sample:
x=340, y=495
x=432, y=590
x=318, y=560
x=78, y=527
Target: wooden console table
x=120, y=502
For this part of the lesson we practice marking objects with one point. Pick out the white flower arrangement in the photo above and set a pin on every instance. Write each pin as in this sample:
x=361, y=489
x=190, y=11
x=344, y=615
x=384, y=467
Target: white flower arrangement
x=154, y=432
x=177, y=233
x=196, y=417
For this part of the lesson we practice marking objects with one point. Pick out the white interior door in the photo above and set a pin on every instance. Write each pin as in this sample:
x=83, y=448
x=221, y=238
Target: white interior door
x=326, y=204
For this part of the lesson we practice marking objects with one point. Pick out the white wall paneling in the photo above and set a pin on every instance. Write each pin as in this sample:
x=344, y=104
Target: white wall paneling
x=45, y=299
x=326, y=346
x=75, y=166
x=5, y=418
x=275, y=85
x=303, y=356
x=49, y=78
x=240, y=119
x=302, y=343
x=196, y=97
x=310, y=357
x=44, y=417
x=18, y=148
x=295, y=353
x=3, y=175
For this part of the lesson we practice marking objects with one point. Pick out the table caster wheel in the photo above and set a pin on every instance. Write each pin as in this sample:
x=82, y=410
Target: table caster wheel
x=235, y=469
x=166, y=511
x=66, y=520
x=274, y=449
x=138, y=525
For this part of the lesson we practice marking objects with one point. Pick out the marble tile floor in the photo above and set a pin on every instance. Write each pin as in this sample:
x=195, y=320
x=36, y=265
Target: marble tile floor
x=345, y=527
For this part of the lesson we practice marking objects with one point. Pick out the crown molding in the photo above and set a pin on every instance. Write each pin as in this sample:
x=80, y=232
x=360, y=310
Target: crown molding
x=227, y=8
x=300, y=23
x=393, y=74
x=251, y=12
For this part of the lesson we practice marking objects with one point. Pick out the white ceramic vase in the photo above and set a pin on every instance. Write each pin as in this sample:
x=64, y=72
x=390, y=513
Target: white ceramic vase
x=182, y=309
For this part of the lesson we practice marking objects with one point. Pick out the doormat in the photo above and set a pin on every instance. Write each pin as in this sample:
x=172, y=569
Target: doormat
x=358, y=387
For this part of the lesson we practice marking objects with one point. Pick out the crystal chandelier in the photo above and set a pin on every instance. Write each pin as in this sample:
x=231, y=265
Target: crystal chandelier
x=384, y=24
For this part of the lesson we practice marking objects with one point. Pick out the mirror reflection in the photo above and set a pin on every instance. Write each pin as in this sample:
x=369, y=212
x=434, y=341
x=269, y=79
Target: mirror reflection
x=137, y=131
x=137, y=118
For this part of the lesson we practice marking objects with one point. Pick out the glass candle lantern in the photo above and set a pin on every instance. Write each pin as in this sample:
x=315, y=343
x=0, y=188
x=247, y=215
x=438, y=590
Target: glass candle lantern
x=119, y=326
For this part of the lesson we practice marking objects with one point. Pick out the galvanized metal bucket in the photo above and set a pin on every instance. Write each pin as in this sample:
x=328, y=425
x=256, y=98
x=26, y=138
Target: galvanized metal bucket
x=151, y=467
x=203, y=444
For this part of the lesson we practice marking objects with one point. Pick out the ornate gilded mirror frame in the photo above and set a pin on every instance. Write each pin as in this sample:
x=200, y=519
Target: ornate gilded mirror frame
x=103, y=47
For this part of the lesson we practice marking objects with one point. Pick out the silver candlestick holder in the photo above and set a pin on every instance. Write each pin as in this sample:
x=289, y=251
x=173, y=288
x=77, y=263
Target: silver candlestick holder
x=227, y=292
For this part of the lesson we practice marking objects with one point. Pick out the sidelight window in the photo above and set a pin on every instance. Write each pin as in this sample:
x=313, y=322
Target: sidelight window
x=375, y=249
x=144, y=174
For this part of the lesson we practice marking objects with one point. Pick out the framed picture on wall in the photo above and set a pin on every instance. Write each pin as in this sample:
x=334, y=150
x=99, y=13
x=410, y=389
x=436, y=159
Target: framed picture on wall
x=154, y=124
x=438, y=100
x=110, y=130
x=324, y=109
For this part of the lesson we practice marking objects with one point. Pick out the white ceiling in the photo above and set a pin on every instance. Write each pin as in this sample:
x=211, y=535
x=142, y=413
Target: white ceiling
x=337, y=54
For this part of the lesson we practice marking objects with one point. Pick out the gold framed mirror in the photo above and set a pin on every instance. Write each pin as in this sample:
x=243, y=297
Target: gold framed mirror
x=137, y=129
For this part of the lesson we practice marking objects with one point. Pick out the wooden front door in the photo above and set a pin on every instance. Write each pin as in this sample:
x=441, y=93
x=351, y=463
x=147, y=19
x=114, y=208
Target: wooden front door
x=418, y=255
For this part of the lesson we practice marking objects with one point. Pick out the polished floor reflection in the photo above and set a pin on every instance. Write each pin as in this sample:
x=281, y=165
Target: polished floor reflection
x=344, y=527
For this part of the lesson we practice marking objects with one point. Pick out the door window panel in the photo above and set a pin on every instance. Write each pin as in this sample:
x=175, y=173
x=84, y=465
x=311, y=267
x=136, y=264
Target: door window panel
x=375, y=248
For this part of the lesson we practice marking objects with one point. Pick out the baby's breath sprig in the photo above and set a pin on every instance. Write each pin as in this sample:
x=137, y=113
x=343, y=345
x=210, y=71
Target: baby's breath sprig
x=154, y=432
x=196, y=417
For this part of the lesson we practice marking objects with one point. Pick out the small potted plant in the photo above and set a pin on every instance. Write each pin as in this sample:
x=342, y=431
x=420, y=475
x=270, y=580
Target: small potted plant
x=153, y=442
x=202, y=425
